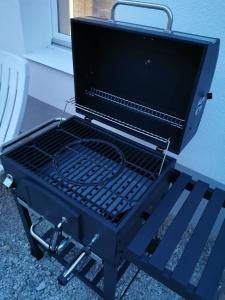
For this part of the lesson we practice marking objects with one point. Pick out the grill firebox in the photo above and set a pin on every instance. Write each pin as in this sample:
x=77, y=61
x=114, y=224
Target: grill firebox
x=105, y=174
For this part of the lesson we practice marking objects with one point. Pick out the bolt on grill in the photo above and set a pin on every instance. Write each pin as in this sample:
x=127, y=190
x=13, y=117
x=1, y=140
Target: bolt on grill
x=102, y=172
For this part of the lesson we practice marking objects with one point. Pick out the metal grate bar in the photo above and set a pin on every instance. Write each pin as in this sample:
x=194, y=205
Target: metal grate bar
x=42, y=151
x=85, y=174
x=171, y=120
x=36, y=158
x=82, y=166
x=80, y=190
x=60, y=140
x=69, y=133
x=53, y=141
x=134, y=195
x=111, y=205
x=67, y=164
x=89, y=190
x=110, y=188
x=49, y=138
x=80, y=130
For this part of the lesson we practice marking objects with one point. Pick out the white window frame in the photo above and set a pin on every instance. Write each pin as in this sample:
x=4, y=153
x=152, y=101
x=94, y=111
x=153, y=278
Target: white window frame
x=58, y=37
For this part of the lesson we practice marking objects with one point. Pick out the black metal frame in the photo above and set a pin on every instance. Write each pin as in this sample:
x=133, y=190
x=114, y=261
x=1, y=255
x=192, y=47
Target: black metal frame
x=35, y=249
x=111, y=273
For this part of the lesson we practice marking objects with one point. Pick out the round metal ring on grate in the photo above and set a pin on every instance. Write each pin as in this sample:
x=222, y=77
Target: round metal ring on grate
x=93, y=162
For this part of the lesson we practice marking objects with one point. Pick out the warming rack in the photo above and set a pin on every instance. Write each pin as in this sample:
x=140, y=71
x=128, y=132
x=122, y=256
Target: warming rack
x=171, y=120
x=163, y=140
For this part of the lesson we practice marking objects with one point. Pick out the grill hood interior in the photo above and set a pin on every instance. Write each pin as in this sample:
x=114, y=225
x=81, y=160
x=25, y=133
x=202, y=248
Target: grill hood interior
x=133, y=77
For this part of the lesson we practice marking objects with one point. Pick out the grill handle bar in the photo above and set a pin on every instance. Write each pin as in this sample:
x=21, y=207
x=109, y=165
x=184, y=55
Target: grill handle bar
x=55, y=246
x=67, y=273
x=160, y=7
x=55, y=241
x=37, y=237
x=29, y=133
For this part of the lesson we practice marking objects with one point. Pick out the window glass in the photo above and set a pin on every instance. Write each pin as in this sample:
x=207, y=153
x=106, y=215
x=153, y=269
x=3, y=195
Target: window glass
x=77, y=8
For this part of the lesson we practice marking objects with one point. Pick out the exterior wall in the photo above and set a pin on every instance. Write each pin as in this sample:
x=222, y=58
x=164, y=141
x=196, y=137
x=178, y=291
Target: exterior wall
x=11, y=32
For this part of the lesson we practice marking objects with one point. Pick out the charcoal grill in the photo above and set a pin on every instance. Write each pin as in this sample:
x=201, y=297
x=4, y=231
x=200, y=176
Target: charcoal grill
x=105, y=193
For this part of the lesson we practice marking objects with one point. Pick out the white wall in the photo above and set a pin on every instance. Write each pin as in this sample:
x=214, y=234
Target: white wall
x=25, y=25
x=51, y=86
x=11, y=32
x=36, y=23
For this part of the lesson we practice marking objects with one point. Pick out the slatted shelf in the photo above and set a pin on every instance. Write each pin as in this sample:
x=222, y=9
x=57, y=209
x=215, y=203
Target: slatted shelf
x=179, y=277
x=140, y=242
x=176, y=230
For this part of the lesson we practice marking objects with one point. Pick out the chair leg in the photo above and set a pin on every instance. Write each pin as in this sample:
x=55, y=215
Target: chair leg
x=110, y=281
x=26, y=220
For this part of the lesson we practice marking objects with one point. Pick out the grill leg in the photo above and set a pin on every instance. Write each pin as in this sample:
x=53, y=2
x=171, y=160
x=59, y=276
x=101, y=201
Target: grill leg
x=26, y=220
x=110, y=281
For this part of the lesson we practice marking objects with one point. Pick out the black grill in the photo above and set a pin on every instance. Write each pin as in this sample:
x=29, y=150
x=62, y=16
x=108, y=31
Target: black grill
x=103, y=173
x=106, y=196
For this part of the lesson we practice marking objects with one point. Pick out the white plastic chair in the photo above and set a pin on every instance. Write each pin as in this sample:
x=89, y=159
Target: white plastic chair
x=13, y=96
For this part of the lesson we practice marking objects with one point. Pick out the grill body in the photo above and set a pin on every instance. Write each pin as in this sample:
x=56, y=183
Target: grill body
x=137, y=188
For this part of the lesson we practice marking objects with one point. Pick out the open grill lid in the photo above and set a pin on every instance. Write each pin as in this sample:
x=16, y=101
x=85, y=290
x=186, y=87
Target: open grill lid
x=145, y=81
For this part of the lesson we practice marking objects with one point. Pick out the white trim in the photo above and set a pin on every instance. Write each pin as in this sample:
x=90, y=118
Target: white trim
x=71, y=8
x=53, y=56
x=57, y=37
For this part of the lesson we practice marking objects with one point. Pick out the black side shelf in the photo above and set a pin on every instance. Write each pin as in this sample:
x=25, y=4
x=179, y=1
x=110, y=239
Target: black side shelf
x=155, y=264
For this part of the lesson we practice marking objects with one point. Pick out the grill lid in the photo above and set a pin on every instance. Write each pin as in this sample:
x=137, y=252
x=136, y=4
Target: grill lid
x=150, y=83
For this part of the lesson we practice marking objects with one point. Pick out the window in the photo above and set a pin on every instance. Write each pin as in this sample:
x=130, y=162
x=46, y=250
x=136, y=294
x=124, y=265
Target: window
x=63, y=10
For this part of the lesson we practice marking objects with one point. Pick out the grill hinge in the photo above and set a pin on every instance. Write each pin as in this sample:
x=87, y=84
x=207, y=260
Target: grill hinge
x=164, y=153
x=160, y=150
x=8, y=182
x=87, y=119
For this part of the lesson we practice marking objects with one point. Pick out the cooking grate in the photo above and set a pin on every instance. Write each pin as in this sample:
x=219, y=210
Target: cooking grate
x=133, y=105
x=104, y=173
x=95, y=159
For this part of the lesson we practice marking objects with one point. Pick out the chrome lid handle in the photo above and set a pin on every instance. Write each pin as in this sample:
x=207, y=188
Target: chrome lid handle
x=160, y=7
